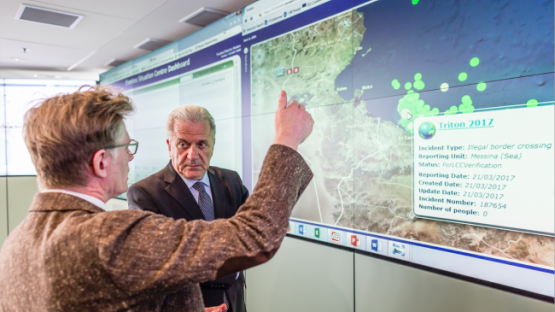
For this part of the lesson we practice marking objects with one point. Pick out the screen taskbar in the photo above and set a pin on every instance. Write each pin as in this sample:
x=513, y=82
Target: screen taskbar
x=533, y=278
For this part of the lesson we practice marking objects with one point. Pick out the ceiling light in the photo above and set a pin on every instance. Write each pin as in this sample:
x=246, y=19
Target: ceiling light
x=17, y=59
x=151, y=44
x=204, y=16
x=114, y=62
x=48, y=16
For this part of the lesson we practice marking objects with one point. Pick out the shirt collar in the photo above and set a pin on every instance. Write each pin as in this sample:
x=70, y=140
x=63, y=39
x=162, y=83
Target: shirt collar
x=93, y=200
x=190, y=183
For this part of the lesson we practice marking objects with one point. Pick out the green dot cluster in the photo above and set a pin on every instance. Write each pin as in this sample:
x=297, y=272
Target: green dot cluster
x=481, y=86
x=395, y=84
x=418, y=83
x=412, y=101
x=532, y=103
x=416, y=106
x=451, y=111
x=415, y=2
x=466, y=106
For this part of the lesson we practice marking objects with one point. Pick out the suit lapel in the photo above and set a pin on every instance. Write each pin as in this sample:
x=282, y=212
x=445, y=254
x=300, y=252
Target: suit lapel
x=217, y=188
x=181, y=193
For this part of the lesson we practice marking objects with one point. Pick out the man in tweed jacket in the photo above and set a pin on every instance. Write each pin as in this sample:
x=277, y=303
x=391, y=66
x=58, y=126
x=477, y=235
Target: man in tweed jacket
x=71, y=255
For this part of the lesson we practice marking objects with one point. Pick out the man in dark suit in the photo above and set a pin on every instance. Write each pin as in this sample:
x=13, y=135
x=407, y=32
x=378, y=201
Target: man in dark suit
x=189, y=188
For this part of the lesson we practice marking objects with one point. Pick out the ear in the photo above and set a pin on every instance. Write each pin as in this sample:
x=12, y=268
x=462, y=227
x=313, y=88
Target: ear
x=100, y=164
x=169, y=147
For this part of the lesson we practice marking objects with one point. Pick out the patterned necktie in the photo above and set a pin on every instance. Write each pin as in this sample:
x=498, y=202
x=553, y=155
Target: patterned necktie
x=207, y=208
x=204, y=201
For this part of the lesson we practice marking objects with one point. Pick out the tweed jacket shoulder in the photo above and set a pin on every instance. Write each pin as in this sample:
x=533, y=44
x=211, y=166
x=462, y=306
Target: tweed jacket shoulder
x=69, y=255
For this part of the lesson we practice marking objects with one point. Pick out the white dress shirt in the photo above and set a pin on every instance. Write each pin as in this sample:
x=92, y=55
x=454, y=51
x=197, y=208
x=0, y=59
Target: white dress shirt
x=93, y=200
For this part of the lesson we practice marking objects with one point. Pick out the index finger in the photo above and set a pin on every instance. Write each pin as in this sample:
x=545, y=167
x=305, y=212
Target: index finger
x=282, y=100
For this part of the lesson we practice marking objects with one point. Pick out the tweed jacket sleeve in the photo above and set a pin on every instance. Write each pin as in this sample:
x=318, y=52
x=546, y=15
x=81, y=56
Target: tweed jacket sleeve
x=147, y=251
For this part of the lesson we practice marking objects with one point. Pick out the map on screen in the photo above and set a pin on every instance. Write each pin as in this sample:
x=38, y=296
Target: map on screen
x=365, y=87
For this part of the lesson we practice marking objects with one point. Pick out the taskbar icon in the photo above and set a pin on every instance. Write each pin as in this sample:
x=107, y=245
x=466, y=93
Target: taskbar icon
x=399, y=250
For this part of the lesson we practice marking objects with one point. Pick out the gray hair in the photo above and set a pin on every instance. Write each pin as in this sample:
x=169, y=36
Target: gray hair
x=190, y=114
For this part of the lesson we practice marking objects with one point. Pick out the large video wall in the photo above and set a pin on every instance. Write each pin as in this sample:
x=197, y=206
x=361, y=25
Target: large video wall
x=433, y=137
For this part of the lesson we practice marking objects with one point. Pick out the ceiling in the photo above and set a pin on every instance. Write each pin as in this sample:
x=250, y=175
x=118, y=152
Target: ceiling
x=109, y=30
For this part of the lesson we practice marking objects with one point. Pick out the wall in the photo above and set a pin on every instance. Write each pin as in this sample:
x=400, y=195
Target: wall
x=16, y=195
x=302, y=277
x=307, y=276
x=3, y=209
x=20, y=191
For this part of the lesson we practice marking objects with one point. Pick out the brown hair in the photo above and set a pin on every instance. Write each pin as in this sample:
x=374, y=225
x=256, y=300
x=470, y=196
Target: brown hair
x=63, y=132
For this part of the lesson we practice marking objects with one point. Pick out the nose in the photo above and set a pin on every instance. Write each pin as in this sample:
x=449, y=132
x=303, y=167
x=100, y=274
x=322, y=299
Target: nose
x=192, y=153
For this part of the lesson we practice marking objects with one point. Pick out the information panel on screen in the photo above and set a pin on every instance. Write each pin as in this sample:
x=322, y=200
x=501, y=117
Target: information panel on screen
x=434, y=124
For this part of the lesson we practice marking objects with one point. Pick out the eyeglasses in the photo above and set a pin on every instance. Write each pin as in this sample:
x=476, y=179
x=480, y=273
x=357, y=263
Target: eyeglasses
x=131, y=147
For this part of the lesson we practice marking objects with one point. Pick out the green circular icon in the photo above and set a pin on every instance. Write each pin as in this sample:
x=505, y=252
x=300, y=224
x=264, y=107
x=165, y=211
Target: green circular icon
x=532, y=103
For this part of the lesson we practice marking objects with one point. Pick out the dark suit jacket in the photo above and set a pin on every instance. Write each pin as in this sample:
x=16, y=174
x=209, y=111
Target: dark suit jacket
x=69, y=255
x=165, y=193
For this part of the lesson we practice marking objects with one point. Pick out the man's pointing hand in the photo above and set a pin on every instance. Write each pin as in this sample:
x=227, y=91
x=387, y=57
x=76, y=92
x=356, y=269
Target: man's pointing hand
x=293, y=123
